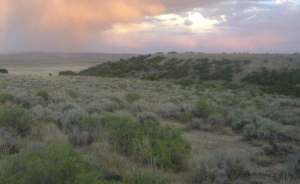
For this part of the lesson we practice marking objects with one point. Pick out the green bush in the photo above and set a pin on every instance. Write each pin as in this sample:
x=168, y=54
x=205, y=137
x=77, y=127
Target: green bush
x=132, y=97
x=2, y=70
x=68, y=73
x=16, y=119
x=151, y=143
x=202, y=109
x=56, y=163
x=44, y=94
x=6, y=97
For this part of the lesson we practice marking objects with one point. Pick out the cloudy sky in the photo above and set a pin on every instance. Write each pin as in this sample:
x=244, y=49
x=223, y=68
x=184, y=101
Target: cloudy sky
x=147, y=26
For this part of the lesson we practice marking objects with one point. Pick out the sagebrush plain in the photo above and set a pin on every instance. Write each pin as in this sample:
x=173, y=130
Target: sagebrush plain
x=178, y=118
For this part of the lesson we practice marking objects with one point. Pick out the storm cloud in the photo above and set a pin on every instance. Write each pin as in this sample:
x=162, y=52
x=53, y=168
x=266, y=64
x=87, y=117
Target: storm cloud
x=149, y=25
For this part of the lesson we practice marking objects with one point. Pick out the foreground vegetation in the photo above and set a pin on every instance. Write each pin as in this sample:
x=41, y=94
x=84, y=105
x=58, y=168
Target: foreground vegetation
x=109, y=130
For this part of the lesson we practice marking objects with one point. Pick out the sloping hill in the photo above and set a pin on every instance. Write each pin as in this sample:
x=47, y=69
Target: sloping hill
x=230, y=70
x=202, y=67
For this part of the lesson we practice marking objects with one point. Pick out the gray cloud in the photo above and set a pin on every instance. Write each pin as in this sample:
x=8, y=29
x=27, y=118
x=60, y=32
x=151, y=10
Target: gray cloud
x=188, y=22
x=259, y=25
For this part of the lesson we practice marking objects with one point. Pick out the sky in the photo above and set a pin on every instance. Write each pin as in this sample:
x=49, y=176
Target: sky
x=149, y=26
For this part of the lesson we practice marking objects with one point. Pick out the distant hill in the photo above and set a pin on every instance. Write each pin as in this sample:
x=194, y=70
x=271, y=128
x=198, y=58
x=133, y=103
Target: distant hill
x=205, y=67
x=230, y=70
x=43, y=63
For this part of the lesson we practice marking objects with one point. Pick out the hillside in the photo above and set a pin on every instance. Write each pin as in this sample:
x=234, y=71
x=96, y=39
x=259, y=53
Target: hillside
x=195, y=66
x=268, y=71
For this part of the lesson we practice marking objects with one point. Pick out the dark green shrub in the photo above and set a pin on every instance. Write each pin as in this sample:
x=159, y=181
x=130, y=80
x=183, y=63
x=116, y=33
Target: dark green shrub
x=273, y=77
x=68, y=73
x=16, y=119
x=2, y=70
x=132, y=97
x=56, y=163
x=44, y=94
x=151, y=143
x=125, y=133
x=6, y=97
x=283, y=89
x=202, y=109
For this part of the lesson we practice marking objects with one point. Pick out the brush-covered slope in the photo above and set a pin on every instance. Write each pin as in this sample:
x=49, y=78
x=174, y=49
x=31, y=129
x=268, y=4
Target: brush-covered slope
x=202, y=67
x=266, y=70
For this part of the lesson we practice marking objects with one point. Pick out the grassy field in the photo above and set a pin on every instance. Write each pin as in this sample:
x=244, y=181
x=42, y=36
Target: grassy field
x=86, y=129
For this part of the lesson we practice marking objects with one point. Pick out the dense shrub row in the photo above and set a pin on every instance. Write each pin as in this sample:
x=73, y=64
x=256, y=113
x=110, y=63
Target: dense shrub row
x=68, y=73
x=279, y=82
x=273, y=77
